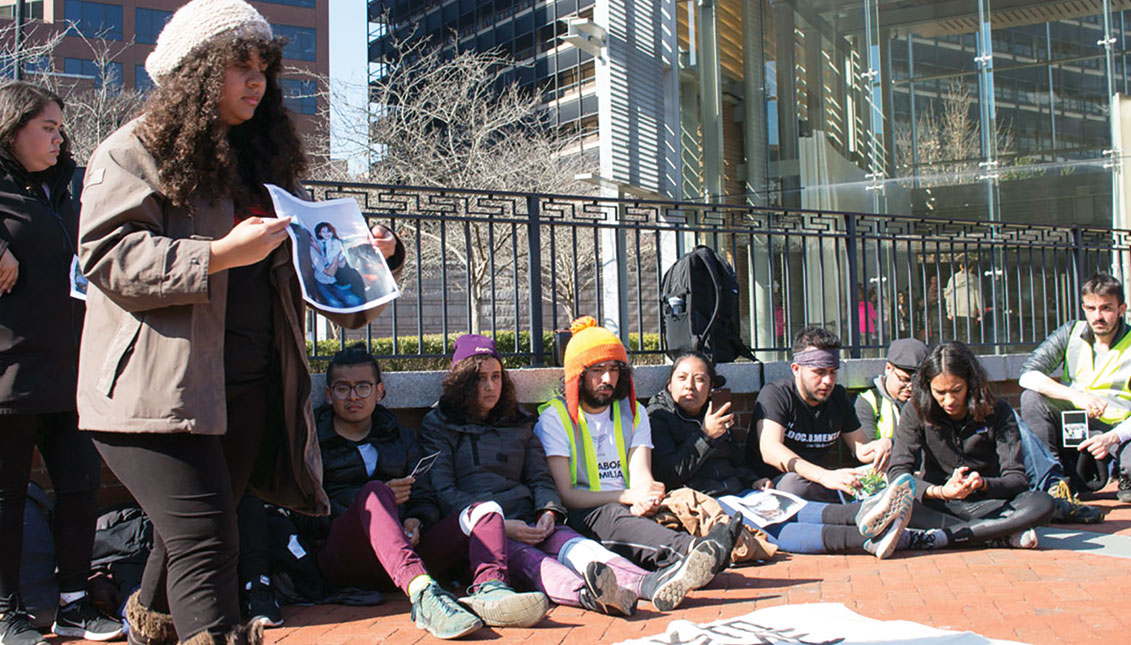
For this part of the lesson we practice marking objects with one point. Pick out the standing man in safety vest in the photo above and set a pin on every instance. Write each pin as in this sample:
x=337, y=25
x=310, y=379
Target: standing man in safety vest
x=599, y=448
x=878, y=408
x=1095, y=355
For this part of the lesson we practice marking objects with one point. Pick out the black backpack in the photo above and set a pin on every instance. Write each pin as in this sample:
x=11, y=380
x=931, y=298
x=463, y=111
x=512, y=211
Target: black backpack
x=699, y=307
x=38, y=587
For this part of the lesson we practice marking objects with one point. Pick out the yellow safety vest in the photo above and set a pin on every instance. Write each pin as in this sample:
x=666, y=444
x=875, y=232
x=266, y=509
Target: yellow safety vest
x=888, y=414
x=581, y=442
x=1107, y=380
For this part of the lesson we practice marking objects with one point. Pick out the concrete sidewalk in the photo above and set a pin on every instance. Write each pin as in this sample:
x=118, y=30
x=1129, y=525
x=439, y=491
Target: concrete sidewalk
x=1073, y=590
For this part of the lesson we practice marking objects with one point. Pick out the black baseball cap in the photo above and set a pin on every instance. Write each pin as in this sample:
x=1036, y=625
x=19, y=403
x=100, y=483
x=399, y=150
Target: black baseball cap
x=907, y=354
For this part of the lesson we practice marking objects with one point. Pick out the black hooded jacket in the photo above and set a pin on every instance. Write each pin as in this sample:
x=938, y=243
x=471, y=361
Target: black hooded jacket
x=683, y=455
x=40, y=323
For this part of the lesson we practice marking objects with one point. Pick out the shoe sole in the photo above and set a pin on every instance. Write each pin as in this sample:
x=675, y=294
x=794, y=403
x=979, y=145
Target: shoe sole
x=694, y=572
x=79, y=632
x=613, y=598
x=879, y=517
x=520, y=610
x=888, y=543
x=474, y=627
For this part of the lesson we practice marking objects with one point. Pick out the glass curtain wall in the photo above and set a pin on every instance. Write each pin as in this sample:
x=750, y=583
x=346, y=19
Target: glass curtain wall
x=958, y=109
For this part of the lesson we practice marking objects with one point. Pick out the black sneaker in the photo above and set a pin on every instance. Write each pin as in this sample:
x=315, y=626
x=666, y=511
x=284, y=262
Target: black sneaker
x=1124, y=492
x=667, y=587
x=16, y=629
x=263, y=605
x=81, y=619
x=602, y=592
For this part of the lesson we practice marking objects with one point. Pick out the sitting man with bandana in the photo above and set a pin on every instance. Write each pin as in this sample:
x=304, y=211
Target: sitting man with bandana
x=797, y=424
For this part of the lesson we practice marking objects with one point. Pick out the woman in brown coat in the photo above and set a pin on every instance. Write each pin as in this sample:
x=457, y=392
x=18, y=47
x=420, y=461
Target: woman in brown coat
x=192, y=375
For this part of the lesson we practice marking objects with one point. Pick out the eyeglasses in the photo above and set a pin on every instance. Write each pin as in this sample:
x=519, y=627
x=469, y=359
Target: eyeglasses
x=362, y=390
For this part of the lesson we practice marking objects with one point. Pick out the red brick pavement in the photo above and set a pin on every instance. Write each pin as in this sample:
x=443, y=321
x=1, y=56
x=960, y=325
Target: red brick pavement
x=1042, y=596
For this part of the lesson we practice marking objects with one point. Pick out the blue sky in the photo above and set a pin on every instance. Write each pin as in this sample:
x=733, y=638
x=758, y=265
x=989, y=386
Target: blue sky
x=348, y=65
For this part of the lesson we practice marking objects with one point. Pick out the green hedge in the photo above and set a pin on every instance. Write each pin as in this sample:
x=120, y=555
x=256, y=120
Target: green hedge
x=407, y=346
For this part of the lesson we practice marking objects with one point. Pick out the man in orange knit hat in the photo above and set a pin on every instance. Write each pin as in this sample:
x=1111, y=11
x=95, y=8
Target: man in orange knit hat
x=599, y=447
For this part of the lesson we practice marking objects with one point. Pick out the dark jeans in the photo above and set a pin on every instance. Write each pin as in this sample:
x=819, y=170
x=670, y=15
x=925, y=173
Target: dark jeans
x=639, y=539
x=969, y=523
x=797, y=485
x=367, y=547
x=188, y=485
x=74, y=467
x=1042, y=415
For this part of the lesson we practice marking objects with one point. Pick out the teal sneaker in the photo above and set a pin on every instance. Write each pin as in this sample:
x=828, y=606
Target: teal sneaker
x=437, y=612
x=500, y=606
x=880, y=510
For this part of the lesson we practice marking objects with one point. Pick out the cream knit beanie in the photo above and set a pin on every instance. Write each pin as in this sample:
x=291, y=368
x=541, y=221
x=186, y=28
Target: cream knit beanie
x=195, y=24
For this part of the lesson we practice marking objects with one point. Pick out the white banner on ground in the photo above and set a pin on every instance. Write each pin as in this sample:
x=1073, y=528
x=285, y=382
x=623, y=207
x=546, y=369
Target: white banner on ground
x=810, y=624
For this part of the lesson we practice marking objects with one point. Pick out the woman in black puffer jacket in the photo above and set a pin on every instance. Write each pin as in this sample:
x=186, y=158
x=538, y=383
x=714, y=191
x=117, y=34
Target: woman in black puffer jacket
x=40, y=326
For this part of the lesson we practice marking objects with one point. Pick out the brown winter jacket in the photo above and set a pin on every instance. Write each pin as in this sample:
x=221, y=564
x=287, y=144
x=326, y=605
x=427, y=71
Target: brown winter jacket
x=152, y=355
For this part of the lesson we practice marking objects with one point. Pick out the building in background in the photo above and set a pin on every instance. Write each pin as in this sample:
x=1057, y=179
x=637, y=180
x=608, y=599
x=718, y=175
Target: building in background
x=130, y=29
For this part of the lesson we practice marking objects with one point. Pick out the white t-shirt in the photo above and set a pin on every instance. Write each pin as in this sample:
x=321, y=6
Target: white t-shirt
x=603, y=430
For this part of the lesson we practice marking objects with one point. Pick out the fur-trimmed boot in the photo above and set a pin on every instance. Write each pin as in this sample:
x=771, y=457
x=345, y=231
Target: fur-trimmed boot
x=250, y=634
x=148, y=627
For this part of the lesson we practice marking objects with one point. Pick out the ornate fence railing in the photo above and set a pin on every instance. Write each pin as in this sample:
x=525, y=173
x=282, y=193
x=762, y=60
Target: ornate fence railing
x=520, y=266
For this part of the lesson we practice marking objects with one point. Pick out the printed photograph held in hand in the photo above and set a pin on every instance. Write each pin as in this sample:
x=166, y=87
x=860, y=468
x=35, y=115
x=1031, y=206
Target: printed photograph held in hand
x=339, y=268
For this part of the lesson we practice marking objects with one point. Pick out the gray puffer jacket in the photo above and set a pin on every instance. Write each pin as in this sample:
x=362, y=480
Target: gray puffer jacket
x=504, y=463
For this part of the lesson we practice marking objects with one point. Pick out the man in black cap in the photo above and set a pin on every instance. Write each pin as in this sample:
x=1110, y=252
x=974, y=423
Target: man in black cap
x=878, y=408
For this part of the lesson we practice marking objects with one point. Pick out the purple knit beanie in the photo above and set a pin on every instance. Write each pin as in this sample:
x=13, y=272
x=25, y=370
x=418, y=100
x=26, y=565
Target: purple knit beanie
x=473, y=344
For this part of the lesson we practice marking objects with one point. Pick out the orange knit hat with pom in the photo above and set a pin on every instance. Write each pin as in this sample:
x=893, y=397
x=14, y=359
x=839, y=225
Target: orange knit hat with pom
x=590, y=344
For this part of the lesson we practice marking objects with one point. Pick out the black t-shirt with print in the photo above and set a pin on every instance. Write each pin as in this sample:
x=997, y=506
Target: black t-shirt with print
x=811, y=432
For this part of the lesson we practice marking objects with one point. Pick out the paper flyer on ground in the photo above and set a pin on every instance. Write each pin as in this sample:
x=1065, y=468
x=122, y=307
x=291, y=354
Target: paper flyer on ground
x=763, y=507
x=339, y=269
x=809, y=624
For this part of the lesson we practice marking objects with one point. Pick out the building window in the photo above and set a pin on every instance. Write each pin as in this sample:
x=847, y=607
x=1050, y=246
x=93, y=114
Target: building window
x=148, y=23
x=309, y=4
x=142, y=82
x=111, y=75
x=299, y=96
x=95, y=19
x=300, y=41
x=33, y=10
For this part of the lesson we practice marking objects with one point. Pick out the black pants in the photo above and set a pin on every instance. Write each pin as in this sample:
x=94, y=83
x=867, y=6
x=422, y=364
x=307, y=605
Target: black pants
x=188, y=485
x=1085, y=473
x=255, y=539
x=639, y=539
x=74, y=467
x=969, y=523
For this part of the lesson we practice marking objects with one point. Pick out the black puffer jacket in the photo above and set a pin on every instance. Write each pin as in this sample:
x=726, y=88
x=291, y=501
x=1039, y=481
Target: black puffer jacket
x=343, y=470
x=40, y=323
x=503, y=463
x=683, y=455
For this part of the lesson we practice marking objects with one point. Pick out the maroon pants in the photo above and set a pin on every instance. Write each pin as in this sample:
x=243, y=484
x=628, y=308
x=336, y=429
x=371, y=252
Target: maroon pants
x=367, y=546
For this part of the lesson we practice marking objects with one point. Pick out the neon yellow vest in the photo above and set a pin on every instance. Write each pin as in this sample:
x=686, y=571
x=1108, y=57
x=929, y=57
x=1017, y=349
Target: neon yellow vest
x=888, y=414
x=581, y=446
x=1108, y=380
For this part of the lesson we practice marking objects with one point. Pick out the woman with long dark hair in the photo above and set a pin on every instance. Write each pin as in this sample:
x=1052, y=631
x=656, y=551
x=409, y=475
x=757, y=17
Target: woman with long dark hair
x=193, y=372
x=332, y=273
x=39, y=338
x=973, y=487
x=488, y=451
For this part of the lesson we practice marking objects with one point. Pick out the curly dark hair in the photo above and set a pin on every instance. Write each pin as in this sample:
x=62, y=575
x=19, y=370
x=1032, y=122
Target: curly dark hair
x=198, y=153
x=20, y=102
x=952, y=357
x=460, y=388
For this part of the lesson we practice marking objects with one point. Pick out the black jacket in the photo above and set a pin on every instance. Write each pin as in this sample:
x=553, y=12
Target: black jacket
x=683, y=455
x=40, y=323
x=343, y=470
x=504, y=463
x=992, y=448
x=1049, y=355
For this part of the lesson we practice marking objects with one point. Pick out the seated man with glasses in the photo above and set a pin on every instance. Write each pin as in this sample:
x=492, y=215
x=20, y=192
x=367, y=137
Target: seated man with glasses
x=386, y=525
x=878, y=408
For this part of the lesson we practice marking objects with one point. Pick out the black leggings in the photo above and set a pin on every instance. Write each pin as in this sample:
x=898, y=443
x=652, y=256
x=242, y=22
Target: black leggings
x=188, y=485
x=971, y=523
x=74, y=467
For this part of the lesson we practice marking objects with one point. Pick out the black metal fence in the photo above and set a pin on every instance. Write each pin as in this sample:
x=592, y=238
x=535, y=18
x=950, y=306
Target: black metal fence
x=518, y=266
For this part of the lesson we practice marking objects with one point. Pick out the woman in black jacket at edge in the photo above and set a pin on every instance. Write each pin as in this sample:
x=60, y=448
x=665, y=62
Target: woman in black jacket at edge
x=39, y=330
x=973, y=488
